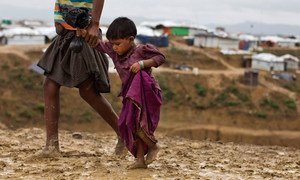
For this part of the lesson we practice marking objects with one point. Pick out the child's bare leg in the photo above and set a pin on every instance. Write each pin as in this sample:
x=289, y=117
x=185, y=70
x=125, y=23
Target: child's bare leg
x=104, y=109
x=51, y=114
x=152, y=154
x=140, y=160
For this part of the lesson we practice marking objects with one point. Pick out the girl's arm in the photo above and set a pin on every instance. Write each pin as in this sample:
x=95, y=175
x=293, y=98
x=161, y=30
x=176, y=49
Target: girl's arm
x=152, y=58
x=147, y=63
x=93, y=29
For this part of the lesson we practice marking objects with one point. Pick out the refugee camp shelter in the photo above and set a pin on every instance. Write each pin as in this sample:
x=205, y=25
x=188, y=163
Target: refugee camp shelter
x=273, y=41
x=164, y=26
x=180, y=30
x=21, y=35
x=247, y=42
x=212, y=40
x=168, y=27
x=26, y=35
x=291, y=62
x=197, y=29
x=268, y=62
x=152, y=36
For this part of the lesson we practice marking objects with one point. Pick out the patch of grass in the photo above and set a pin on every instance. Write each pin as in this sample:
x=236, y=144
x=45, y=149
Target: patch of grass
x=265, y=102
x=26, y=114
x=295, y=87
x=86, y=116
x=221, y=97
x=5, y=66
x=40, y=107
x=17, y=62
x=232, y=103
x=7, y=113
x=168, y=94
x=17, y=74
x=291, y=104
x=260, y=114
x=235, y=91
x=201, y=91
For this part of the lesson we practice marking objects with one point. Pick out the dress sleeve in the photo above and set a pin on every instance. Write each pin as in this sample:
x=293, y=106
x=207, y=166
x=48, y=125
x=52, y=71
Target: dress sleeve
x=104, y=47
x=149, y=51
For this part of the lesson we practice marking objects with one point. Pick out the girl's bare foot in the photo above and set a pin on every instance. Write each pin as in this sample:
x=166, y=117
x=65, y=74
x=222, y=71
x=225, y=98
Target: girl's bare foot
x=152, y=154
x=137, y=165
x=120, y=149
x=45, y=153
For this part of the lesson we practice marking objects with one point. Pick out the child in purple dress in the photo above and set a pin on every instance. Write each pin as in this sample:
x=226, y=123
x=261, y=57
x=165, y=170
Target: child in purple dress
x=141, y=93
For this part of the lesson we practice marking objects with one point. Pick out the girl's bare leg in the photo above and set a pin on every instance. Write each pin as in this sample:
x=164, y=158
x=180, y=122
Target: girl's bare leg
x=104, y=109
x=140, y=160
x=51, y=114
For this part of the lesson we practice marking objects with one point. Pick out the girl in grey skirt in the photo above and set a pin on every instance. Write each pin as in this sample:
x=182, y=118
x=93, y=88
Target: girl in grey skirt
x=86, y=70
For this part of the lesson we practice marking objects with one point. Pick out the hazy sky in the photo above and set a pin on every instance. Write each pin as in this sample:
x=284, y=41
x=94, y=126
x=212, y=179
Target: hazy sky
x=194, y=11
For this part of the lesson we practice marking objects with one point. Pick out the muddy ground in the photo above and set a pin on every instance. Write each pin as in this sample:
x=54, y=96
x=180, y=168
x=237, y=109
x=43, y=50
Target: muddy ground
x=92, y=158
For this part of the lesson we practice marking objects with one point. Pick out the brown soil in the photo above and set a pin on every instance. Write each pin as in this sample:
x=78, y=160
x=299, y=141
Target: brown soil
x=92, y=158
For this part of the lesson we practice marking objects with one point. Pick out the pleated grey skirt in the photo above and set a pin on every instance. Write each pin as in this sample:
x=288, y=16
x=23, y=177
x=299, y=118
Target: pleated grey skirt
x=70, y=69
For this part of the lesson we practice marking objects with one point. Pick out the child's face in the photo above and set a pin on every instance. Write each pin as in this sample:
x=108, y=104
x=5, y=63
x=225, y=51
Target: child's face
x=121, y=46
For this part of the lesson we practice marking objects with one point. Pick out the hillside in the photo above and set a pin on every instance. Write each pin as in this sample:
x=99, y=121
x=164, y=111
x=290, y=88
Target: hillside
x=215, y=104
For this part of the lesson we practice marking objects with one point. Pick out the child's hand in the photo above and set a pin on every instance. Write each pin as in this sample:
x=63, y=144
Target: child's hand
x=135, y=68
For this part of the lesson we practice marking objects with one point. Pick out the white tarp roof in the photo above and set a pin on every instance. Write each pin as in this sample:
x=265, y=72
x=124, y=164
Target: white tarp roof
x=153, y=24
x=247, y=37
x=288, y=56
x=267, y=57
x=19, y=31
x=38, y=31
x=277, y=39
x=143, y=30
x=234, y=52
x=47, y=31
x=274, y=39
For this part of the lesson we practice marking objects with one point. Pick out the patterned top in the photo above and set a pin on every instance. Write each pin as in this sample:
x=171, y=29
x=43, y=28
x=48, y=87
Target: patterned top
x=75, y=3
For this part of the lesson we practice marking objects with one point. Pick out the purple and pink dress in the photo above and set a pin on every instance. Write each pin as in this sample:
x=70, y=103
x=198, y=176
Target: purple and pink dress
x=141, y=93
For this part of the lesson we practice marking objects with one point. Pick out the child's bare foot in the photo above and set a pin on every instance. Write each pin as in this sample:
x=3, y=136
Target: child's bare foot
x=152, y=154
x=120, y=149
x=137, y=165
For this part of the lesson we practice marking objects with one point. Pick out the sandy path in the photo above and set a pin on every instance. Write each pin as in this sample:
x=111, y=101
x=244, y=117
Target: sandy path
x=91, y=158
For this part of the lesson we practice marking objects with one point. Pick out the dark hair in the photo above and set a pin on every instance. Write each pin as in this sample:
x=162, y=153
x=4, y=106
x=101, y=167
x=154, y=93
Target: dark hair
x=120, y=28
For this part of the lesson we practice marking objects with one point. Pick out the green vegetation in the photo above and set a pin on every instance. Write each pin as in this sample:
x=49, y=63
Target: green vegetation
x=5, y=66
x=291, y=104
x=266, y=102
x=260, y=114
x=168, y=94
x=230, y=96
x=200, y=89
